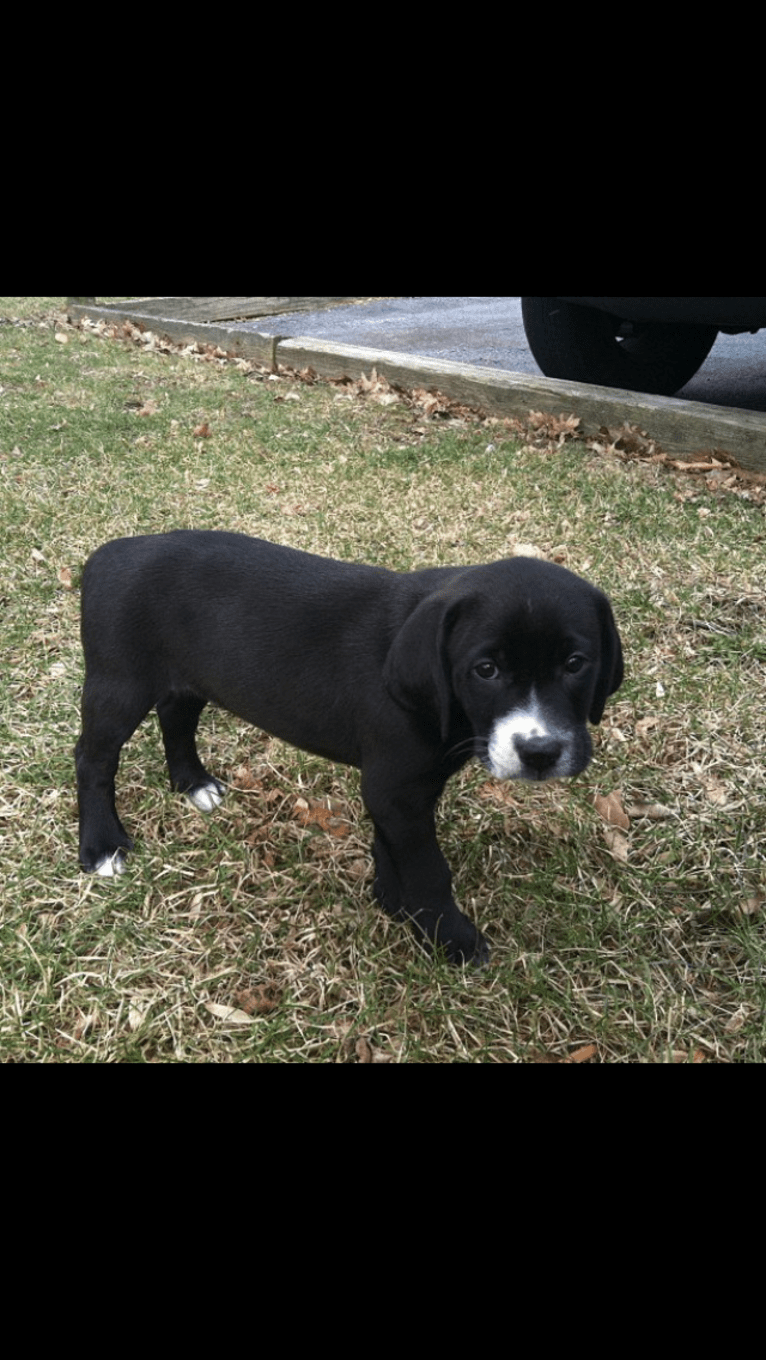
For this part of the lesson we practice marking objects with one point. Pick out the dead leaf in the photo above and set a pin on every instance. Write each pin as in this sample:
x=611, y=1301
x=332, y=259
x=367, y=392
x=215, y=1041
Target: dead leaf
x=610, y=808
x=358, y=869
x=559, y=427
x=656, y=812
x=581, y=1055
x=427, y=402
x=617, y=843
x=526, y=550
x=137, y=1011
x=364, y=1051
x=628, y=439
x=498, y=793
x=243, y=778
x=716, y=792
x=202, y=431
x=751, y=906
x=645, y=727
x=737, y=1020
x=317, y=814
x=260, y=1000
x=230, y=1014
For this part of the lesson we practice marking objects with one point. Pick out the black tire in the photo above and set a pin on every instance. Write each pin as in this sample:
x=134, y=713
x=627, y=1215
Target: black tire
x=583, y=344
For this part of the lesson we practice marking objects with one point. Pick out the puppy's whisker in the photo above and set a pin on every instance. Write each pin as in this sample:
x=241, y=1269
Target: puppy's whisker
x=469, y=746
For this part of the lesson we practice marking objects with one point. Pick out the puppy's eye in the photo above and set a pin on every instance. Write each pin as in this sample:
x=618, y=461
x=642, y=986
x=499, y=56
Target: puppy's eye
x=486, y=670
x=574, y=664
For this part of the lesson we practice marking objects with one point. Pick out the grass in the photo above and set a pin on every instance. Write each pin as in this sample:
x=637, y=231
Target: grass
x=251, y=936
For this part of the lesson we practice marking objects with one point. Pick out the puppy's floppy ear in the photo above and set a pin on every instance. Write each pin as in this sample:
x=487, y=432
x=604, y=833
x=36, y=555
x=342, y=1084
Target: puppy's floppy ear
x=611, y=668
x=417, y=671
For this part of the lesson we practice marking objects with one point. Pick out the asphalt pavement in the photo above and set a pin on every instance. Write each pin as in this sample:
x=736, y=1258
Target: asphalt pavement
x=488, y=332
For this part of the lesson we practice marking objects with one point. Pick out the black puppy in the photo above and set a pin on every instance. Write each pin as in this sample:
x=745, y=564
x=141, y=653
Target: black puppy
x=403, y=675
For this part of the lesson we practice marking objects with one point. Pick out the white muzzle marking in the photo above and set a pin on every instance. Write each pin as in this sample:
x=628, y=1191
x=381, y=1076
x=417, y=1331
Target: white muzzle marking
x=503, y=756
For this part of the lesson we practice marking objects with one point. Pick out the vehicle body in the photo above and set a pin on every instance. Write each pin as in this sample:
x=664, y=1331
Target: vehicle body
x=646, y=344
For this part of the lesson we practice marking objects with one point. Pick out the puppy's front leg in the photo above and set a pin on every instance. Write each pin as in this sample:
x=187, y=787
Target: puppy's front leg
x=412, y=880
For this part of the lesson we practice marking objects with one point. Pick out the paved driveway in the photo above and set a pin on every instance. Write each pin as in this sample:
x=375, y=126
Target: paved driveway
x=487, y=331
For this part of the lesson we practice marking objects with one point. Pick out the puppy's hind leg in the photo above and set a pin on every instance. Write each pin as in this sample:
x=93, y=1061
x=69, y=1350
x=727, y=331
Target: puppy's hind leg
x=108, y=720
x=179, y=715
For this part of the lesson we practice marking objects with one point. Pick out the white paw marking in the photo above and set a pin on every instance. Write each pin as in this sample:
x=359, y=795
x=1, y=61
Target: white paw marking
x=111, y=866
x=206, y=798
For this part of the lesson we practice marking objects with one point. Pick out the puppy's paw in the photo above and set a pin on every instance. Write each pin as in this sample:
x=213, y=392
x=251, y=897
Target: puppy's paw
x=468, y=946
x=110, y=866
x=206, y=797
x=481, y=954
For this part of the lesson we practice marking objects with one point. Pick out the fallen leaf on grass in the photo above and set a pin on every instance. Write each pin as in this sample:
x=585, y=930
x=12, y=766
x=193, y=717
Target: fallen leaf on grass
x=243, y=778
x=628, y=439
x=751, y=906
x=559, y=427
x=526, y=550
x=497, y=793
x=316, y=814
x=617, y=843
x=656, y=812
x=609, y=807
x=738, y=1020
x=259, y=1000
x=582, y=1055
x=428, y=402
x=137, y=1011
x=715, y=791
x=231, y=1014
x=202, y=431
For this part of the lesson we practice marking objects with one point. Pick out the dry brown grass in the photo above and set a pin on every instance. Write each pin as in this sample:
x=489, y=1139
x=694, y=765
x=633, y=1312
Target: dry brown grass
x=250, y=936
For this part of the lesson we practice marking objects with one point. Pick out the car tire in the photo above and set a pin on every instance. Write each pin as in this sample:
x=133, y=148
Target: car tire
x=582, y=344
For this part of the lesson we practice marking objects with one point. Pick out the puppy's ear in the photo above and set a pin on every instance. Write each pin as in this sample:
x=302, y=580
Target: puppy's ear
x=417, y=672
x=611, y=668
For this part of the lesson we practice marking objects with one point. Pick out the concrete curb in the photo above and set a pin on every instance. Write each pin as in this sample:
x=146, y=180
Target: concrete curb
x=685, y=428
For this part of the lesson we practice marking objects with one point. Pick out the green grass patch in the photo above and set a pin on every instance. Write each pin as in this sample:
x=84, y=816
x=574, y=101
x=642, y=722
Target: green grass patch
x=251, y=935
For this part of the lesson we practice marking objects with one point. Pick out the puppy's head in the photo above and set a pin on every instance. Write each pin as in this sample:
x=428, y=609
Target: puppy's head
x=521, y=651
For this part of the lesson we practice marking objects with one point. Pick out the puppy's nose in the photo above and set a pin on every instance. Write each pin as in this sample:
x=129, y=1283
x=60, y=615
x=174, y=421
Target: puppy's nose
x=539, y=754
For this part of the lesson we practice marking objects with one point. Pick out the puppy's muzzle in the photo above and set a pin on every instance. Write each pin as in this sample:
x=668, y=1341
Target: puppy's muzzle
x=526, y=744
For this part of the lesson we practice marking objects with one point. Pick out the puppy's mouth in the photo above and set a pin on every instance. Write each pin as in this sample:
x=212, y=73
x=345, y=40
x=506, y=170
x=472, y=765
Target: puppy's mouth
x=529, y=773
